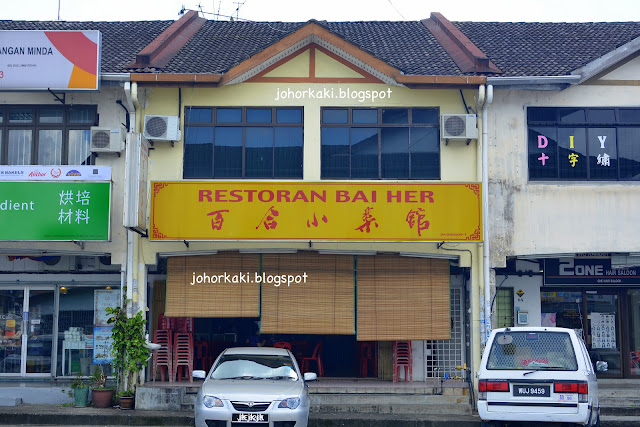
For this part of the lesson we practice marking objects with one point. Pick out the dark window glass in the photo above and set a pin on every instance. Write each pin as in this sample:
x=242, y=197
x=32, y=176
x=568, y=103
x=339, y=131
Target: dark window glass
x=288, y=152
x=21, y=115
x=198, y=152
x=535, y=114
x=227, y=155
x=199, y=115
x=259, y=152
x=51, y=115
x=364, y=153
x=425, y=153
x=425, y=115
x=229, y=115
x=627, y=115
x=289, y=115
x=395, y=116
x=629, y=153
x=603, y=153
x=365, y=116
x=1, y=116
x=333, y=115
x=394, y=159
x=543, y=153
x=371, y=147
x=251, y=147
x=572, y=153
x=335, y=153
x=82, y=115
x=571, y=115
x=607, y=116
x=258, y=115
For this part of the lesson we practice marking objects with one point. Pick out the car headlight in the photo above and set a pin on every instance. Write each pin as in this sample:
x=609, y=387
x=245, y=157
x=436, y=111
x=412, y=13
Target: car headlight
x=291, y=403
x=212, y=401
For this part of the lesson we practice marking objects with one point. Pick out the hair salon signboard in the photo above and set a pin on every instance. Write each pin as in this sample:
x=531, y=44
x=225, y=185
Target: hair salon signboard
x=49, y=60
x=588, y=271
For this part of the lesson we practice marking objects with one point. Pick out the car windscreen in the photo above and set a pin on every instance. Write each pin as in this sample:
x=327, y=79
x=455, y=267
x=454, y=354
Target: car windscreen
x=253, y=366
x=513, y=350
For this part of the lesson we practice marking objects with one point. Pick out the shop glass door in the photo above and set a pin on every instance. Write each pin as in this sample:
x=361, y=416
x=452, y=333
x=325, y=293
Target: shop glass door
x=603, y=331
x=39, y=331
x=634, y=331
x=11, y=303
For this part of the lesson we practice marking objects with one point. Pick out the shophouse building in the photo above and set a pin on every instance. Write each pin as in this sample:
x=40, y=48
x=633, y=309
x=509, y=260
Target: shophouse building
x=564, y=165
x=321, y=183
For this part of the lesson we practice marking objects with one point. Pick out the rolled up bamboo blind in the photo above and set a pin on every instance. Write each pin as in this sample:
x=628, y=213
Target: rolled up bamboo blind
x=323, y=305
x=402, y=298
x=216, y=298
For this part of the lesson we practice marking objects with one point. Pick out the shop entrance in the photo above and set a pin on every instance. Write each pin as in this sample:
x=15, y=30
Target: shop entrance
x=26, y=326
x=607, y=319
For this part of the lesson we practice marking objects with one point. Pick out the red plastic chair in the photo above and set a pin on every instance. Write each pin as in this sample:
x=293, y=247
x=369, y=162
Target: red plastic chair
x=163, y=357
x=368, y=354
x=402, y=359
x=182, y=355
x=201, y=356
x=316, y=357
x=282, y=344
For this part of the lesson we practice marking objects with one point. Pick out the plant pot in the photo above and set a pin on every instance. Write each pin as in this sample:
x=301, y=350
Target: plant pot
x=80, y=396
x=102, y=397
x=127, y=402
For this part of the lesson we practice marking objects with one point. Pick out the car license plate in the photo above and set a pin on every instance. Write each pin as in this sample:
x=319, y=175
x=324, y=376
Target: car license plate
x=532, y=390
x=250, y=418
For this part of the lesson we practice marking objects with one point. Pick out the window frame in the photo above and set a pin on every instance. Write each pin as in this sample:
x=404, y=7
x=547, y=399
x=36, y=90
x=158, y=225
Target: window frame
x=35, y=126
x=589, y=123
x=380, y=125
x=244, y=125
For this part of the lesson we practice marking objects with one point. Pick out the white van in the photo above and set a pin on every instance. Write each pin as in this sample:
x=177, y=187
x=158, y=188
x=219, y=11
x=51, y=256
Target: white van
x=537, y=374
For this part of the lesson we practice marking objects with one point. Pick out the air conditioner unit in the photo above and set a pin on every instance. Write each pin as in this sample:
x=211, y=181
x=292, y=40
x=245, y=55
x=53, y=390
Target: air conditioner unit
x=459, y=126
x=107, y=140
x=165, y=128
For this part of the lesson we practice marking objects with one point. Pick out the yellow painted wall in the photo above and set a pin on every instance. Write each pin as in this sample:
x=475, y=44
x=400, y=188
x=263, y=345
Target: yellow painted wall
x=459, y=162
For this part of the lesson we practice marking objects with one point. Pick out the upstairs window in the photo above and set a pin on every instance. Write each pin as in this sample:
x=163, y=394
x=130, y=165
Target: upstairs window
x=243, y=142
x=46, y=135
x=584, y=144
x=380, y=143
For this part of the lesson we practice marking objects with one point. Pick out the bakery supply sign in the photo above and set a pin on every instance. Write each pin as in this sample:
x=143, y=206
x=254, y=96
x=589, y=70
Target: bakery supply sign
x=50, y=60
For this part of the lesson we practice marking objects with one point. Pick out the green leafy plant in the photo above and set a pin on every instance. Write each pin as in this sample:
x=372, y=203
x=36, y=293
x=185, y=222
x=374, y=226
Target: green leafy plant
x=99, y=379
x=126, y=393
x=129, y=347
x=78, y=382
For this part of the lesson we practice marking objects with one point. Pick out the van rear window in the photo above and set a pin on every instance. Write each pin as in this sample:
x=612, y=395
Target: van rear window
x=513, y=350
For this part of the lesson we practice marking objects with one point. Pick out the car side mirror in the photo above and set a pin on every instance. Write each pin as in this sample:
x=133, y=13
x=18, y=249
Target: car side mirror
x=602, y=366
x=310, y=376
x=199, y=374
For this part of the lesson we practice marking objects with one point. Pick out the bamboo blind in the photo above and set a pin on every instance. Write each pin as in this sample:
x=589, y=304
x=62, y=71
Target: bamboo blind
x=401, y=298
x=212, y=299
x=324, y=305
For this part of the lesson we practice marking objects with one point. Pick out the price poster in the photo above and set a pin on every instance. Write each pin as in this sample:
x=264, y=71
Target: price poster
x=102, y=345
x=603, y=330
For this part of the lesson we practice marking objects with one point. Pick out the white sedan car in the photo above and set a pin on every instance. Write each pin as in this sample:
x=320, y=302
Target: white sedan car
x=253, y=386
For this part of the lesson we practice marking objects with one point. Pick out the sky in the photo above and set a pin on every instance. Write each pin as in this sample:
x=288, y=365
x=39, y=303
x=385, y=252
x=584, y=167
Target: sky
x=330, y=10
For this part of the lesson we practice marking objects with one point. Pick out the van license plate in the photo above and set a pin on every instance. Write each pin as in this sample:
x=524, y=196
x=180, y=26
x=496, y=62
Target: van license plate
x=250, y=418
x=532, y=390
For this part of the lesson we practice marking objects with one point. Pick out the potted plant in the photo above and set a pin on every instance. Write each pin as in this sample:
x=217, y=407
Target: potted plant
x=80, y=391
x=126, y=398
x=101, y=393
x=130, y=352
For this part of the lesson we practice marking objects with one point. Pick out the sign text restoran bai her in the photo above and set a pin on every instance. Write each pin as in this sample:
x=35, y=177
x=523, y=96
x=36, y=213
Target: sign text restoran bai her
x=286, y=196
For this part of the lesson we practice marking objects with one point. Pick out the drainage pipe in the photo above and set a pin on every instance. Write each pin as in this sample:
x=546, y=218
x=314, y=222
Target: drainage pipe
x=485, y=214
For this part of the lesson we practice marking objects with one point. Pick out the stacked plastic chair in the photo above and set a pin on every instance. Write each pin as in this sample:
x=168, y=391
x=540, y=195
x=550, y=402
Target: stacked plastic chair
x=402, y=359
x=183, y=347
x=163, y=357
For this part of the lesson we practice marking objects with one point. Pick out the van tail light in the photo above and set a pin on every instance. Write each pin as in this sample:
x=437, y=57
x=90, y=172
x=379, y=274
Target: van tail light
x=485, y=386
x=582, y=388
